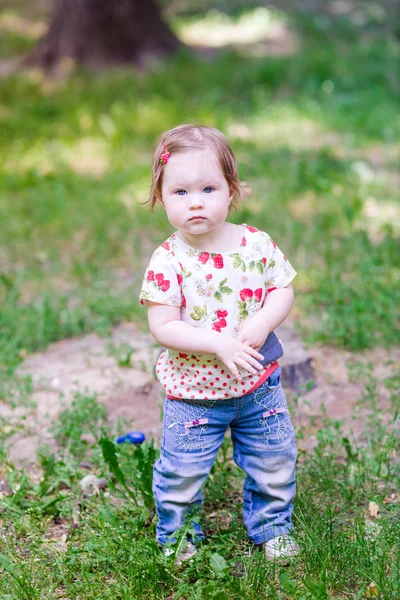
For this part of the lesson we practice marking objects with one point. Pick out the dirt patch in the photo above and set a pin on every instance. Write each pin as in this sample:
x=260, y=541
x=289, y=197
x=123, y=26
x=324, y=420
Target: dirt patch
x=336, y=393
x=88, y=365
x=120, y=371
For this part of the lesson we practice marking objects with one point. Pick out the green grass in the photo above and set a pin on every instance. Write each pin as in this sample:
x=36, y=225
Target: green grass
x=316, y=134
x=109, y=551
x=75, y=167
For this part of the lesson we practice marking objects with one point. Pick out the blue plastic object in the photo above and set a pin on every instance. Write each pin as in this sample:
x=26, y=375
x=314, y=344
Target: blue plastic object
x=133, y=437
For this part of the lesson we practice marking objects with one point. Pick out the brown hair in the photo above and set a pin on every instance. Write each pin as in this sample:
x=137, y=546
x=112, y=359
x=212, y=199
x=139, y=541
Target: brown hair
x=196, y=137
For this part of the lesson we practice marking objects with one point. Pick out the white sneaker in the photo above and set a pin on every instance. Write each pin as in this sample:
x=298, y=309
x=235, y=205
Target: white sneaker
x=282, y=546
x=187, y=552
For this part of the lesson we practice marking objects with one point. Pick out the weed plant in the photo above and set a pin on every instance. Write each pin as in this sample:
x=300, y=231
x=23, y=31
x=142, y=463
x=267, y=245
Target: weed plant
x=109, y=550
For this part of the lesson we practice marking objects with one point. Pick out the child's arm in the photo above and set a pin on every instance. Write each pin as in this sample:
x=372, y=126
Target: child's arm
x=169, y=331
x=276, y=308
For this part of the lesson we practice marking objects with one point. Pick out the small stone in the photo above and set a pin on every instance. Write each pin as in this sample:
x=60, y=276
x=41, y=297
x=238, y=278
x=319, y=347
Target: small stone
x=88, y=483
x=91, y=483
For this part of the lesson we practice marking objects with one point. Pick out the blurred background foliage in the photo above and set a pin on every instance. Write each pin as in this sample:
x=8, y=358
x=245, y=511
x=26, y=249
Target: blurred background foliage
x=308, y=96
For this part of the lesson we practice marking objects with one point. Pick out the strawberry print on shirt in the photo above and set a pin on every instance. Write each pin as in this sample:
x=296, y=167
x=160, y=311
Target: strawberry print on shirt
x=215, y=291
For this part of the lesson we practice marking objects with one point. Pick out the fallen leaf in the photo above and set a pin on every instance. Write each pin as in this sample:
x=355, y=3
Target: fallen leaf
x=392, y=499
x=373, y=510
x=372, y=591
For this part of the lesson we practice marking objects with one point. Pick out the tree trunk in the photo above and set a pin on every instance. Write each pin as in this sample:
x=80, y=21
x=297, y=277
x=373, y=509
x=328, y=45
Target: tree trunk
x=103, y=32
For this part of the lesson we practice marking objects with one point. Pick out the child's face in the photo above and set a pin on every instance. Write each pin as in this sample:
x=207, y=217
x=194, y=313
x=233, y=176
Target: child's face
x=195, y=193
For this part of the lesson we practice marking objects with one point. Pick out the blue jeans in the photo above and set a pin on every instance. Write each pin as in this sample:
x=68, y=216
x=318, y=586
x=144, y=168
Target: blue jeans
x=264, y=447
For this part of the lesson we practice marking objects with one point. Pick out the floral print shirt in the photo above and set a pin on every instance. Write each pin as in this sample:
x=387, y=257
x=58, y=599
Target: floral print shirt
x=215, y=291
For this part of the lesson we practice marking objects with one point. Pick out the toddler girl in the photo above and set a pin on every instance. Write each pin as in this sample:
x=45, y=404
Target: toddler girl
x=214, y=291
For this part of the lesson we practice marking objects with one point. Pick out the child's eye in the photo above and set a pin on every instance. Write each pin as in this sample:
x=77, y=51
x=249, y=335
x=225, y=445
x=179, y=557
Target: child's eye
x=208, y=190
x=180, y=192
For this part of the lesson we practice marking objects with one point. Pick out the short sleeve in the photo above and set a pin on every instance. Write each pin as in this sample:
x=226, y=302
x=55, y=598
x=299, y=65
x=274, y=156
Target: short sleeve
x=279, y=272
x=161, y=282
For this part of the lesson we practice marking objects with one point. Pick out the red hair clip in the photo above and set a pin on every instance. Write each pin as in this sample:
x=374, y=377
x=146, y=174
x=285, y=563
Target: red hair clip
x=165, y=156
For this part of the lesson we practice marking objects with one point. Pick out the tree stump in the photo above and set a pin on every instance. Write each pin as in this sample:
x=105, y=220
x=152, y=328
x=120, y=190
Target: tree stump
x=100, y=32
x=297, y=365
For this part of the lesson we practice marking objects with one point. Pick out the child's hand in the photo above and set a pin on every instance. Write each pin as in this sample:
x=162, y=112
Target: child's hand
x=253, y=333
x=232, y=352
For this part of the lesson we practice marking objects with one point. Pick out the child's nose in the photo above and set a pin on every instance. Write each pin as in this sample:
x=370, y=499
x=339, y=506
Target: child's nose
x=196, y=202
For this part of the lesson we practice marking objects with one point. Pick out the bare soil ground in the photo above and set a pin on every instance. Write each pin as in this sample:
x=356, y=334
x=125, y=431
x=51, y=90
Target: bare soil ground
x=91, y=364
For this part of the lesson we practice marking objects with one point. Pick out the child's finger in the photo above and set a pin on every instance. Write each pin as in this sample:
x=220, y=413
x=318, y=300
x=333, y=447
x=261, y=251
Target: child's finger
x=254, y=362
x=246, y=365
x=253, y=352
x=232, y=367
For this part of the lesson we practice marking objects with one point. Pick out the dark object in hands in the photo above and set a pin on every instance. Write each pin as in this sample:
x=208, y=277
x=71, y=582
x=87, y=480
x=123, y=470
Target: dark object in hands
x=271, y=349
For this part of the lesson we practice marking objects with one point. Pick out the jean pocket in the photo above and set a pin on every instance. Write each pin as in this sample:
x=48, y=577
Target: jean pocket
x=276, y=426
x=274, y=379
x=186, y=424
